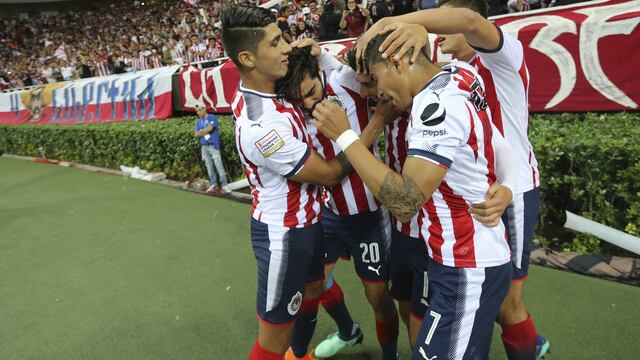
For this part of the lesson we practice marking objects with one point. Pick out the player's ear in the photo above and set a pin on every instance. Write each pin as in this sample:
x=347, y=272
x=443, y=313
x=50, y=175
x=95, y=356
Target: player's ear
x=247, y=59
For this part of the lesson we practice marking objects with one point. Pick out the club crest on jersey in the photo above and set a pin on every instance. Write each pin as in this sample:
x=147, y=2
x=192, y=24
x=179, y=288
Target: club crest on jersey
x=336, y=100
x=269, y=143
x=433, y=114
x=294, y=304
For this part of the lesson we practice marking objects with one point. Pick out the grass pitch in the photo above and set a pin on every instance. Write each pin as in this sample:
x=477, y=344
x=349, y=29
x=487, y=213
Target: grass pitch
x=97, y=266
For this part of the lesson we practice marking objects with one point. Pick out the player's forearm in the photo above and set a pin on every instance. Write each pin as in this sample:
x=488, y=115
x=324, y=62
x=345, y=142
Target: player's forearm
x=326, y=61
x=506, y=164
x=398, y=193
x=368, y=138
x=452, y=21
x=371, y=132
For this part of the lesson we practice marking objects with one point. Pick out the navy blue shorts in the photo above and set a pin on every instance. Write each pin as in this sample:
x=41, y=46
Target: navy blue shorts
x=288, y=259
x=463, y=306
x=361, y=236
x=520, y=219
x=408, y=261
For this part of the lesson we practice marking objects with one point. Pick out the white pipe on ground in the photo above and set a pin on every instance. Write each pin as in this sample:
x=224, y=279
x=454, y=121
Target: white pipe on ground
x=608, y=234
x=237, y=185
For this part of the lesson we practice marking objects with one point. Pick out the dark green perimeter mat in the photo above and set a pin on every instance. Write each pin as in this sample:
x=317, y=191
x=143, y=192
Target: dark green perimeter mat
x=96, y=266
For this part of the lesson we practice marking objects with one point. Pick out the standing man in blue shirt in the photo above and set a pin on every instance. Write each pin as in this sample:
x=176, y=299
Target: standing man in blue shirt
x=207, y=131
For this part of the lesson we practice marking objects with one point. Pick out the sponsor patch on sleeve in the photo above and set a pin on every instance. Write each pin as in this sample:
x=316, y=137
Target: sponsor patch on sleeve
x=270, y=143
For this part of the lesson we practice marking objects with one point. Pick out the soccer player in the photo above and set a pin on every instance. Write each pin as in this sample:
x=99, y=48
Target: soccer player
x=284, y=172
x=450, y=165
x=353, y=222
x=499, y=59
x=408, y=255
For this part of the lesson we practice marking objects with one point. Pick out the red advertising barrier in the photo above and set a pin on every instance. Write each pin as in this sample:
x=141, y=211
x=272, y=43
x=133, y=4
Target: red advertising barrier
x=581, y=58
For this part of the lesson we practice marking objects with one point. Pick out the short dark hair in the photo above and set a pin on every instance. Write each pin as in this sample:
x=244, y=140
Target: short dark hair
x=372, y=54
x=350, y=56
x=301, y=63
x=479, y=6
x=243, y=29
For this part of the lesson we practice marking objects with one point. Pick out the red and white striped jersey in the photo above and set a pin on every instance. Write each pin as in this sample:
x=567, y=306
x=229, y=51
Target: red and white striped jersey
x=273, y=143
x=506, y=82
x=396, y=151
x=198, y=52
x=450, y=125
x=351, y=196
x=102, y=67
x=142, y=62
x=135, y=63
x=156, y=61
x=180, y=53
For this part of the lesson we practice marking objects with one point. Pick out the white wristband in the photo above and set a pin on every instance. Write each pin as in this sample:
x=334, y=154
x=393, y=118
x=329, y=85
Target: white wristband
x=347, y=138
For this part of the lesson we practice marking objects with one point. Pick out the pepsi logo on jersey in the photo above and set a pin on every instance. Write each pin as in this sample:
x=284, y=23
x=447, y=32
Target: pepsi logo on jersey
x=433, y=114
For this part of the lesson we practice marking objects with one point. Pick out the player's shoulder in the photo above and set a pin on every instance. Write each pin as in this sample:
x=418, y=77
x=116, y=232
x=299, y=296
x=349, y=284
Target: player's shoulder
x=445, y=95
x=260, y=115
x=447, y=83
x=344, y=76
x=509, y=51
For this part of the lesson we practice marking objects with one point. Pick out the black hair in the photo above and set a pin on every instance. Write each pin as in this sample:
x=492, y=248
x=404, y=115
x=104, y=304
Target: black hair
x=479, y=6
x=243, y=29
x=301, y=63
x=350, y=56
x=372, y=55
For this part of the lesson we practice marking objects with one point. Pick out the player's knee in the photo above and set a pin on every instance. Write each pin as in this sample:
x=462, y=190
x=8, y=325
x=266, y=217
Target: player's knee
x=512, y=308
x=377, y=295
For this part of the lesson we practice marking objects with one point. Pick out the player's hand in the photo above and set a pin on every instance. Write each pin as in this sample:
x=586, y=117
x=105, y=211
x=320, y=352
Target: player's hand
x=403, y=38
x=330, y=119
x=489, y=212
x=363, y=41
x=386, y=111
x=302, y=43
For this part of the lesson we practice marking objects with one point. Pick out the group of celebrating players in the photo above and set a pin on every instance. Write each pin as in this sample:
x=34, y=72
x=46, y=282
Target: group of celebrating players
x=444, y=227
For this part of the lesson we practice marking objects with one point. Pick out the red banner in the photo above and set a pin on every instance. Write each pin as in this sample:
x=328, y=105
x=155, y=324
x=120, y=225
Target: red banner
x=580, y=58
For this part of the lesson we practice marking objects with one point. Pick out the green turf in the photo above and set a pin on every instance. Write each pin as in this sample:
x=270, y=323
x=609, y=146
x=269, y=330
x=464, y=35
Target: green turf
x=96, y=266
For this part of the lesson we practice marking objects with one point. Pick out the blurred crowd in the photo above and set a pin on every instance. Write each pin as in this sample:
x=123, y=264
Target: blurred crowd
x=129, y=36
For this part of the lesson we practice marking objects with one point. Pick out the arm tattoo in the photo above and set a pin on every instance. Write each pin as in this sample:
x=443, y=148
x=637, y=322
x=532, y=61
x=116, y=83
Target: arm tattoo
x=401, y=195
x=344, y=164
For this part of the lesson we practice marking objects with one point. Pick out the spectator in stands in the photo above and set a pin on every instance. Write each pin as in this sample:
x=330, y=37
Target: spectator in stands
x=355, y=18
x=304, y=32
x=329, y=22
x=293, y=31
x=426, y=4
x=401, y=7
x=155, y=59
x=379, y=10
x=283, y=23
x=67, y=71
x=83, y=68
x=312, y=18
x=206, y=130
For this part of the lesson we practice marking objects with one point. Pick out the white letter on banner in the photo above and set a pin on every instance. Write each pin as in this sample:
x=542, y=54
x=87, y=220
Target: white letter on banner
x=544, y=42
x=596, y=27
x=333, y=48
x=218, y=87
x=189, y=100
x=204, y=74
